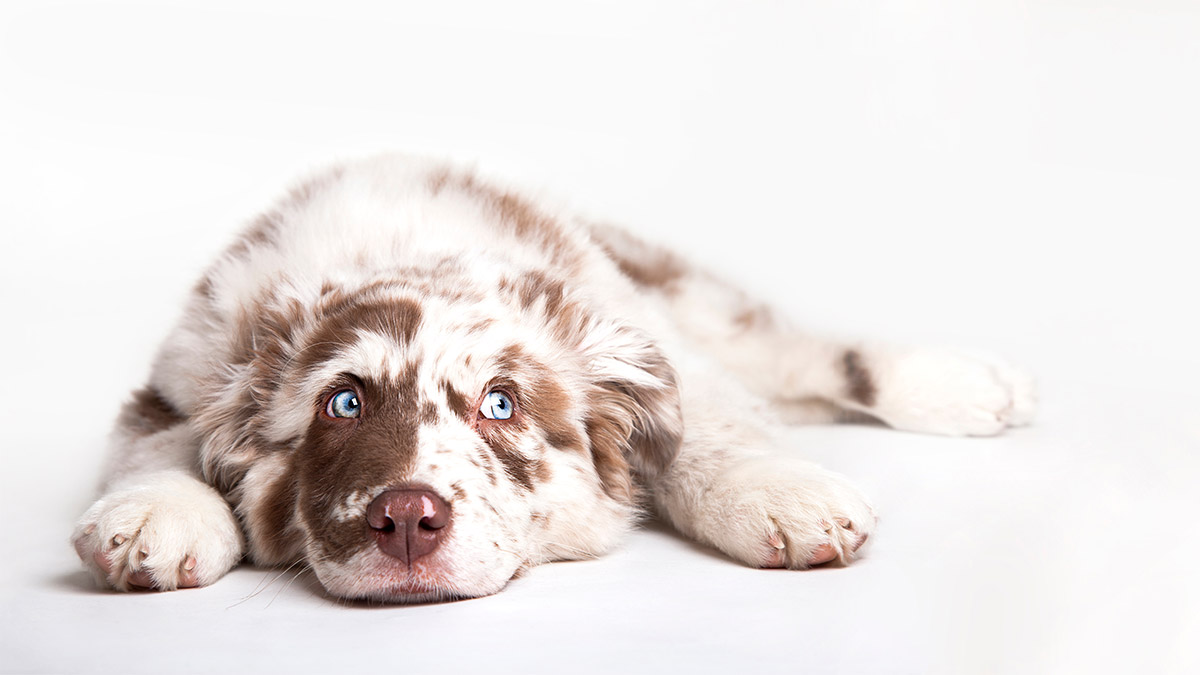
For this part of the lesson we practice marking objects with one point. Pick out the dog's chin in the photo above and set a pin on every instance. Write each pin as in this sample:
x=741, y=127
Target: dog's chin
x=372, y=576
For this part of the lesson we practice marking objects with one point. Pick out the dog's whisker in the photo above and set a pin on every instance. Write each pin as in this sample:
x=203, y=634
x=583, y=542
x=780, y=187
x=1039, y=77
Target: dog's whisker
x=299, y=573
x=268, y=579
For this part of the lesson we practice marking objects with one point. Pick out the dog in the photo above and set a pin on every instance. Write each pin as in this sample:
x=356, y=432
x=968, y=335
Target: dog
x=419, y=384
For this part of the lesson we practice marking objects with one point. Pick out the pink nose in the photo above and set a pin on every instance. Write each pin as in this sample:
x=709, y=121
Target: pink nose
x=408, y=523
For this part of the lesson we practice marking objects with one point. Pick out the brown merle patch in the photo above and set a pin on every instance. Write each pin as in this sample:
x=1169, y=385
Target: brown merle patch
x=148, y=413
x=609, y=435
x=859, y=384
x=545, y=401
x=757, y=317
x=651, y=413
x=483, y=459
x=542, y=471
x=634, y=427
x=513, y=212
x=438, y=180
x=204, y=288
x=340, y=324
x=518, y=467
x=651, y=267
x=626, y=426
x=535, y=286
x=503, y=438
x=341, y=456
x=459, y=404
x=275, y=539
x=230, y=414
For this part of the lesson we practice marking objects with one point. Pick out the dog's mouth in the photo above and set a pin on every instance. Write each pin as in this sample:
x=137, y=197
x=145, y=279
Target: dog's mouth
x=409, y=591
x=376, y=577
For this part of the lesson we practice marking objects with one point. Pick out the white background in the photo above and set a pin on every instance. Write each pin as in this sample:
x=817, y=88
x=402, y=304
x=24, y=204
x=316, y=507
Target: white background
x=1020, y=176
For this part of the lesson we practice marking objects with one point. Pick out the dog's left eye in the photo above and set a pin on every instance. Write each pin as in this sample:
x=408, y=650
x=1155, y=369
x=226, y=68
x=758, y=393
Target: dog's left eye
x=345, y=403
x=496, y=406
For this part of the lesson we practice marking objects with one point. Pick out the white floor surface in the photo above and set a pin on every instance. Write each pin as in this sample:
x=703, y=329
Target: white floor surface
x=1021, y=177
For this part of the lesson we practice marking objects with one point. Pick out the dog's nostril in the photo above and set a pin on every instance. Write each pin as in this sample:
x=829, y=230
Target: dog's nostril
x=408, y=523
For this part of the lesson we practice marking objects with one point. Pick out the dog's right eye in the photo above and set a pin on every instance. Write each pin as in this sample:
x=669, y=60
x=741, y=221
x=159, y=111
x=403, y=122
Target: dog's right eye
x=344, y=404
x=496, y=406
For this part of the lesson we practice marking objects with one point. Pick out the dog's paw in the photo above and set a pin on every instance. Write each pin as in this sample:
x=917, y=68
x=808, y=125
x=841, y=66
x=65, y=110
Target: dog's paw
x=953, y=393
x=774, y=512
x=170, y=531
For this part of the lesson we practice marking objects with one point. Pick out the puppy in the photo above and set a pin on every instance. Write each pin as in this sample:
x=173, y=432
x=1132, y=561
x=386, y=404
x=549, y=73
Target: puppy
x=418, y=385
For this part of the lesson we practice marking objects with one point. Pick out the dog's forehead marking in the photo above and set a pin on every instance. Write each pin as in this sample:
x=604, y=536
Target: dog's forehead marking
x=380, y=336
x=377, y=355
x=342, y=319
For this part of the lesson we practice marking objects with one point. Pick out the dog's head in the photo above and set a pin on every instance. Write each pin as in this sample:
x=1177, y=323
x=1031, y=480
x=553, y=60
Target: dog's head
x=429, y=436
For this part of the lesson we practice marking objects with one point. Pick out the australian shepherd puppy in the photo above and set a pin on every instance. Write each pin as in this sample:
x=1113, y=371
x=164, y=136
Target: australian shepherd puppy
x=419, y=384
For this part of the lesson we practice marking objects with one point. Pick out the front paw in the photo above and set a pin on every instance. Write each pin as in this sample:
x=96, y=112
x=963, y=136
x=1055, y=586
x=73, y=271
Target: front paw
x=775, y=512
x=169, y=531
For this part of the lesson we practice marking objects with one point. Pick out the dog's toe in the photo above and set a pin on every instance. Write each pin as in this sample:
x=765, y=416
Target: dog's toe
x=180, y=536
x=771, y=513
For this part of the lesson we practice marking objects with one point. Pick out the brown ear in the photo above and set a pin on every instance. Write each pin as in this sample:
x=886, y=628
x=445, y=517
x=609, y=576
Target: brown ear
x=231, y=416
x=634, y=421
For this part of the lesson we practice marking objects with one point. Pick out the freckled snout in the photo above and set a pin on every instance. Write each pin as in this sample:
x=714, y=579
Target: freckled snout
x=408, y=523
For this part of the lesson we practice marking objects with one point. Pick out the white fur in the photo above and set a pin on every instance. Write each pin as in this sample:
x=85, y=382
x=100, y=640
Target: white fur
x=952, y=394
x=734, y=362
x=156, y=525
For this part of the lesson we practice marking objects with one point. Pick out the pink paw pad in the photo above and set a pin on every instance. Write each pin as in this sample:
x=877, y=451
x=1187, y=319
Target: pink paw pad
x=826, y=553
x=139, y=578
x=778, y=554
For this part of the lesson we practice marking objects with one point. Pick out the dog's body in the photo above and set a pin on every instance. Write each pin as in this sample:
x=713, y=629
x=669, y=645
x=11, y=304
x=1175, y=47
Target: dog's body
x=419, y=385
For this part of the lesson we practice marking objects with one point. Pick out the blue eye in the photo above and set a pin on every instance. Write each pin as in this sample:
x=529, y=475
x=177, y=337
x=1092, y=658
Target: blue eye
x=345, y=403
x=496, y=406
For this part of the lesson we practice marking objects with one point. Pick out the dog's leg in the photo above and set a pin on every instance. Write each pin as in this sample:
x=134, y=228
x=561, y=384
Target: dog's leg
x=733, y=487
x=926, y=390
x=157, y=524
x=937, y=391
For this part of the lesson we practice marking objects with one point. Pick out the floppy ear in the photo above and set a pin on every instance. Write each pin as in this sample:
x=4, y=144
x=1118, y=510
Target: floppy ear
x=634, y=421
x=231, y=416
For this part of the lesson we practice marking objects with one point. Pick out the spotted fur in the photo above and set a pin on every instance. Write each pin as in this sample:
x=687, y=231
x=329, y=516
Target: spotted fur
x=638, y=384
